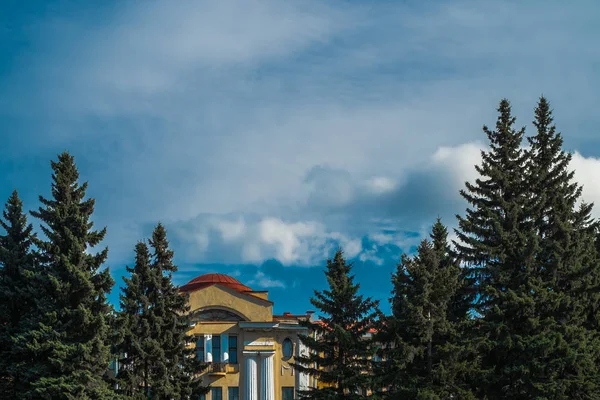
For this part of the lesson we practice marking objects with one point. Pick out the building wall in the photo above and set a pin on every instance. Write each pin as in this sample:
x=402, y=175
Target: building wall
x=258, y=335
x=253, y=308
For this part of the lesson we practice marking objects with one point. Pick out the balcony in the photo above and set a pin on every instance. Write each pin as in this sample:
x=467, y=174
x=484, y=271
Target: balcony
x=221, y=369
x=217, y=369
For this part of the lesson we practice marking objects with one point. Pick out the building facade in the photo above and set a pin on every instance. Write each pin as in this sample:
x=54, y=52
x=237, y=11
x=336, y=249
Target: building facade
x=249, y=351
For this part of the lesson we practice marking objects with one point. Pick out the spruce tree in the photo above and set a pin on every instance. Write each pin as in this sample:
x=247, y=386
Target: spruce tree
x=422, y=359
x=17, y=295
x=175, y=374
x=498, y=244
x=71, y=343
x=153, y=324
x=342, y=349
x=566, y=263
x=137, y=347
x=528, y=346
x=457, y=354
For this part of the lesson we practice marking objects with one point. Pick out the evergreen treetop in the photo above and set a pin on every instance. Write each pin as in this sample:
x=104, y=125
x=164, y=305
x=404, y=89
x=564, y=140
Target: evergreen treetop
x=566, y=264
x=136, y=348
x=342, y=348
x=177, y=372
x=528, y=346
x=565, y=228
x=497, y=243
x=153, y=326
x=71, y=343
x=17, y=294
x=16, y=263
x=422, y=358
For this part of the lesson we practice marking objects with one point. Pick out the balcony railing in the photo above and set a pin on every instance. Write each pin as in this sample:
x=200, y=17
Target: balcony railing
x=221, y=368
x=217, y=368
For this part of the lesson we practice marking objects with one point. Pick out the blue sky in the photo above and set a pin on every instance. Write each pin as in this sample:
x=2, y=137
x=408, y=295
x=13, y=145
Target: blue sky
x=263, y=134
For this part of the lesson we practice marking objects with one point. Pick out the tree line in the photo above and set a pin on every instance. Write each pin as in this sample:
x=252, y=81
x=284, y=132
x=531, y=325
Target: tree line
x=59, y=333
x=508, y=310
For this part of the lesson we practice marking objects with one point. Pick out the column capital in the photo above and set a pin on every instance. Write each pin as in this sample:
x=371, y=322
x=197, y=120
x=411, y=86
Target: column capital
x=259, y=353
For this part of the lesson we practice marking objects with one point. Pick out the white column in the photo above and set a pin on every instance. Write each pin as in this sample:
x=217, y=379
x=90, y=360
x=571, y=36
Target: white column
x=267, y=377
x=225, y=348
x=251, y=384
x=208, y=348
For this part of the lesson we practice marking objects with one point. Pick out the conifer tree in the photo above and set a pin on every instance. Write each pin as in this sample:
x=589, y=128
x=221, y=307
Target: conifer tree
x=17, y=295
x=497, y=243
x=153, y=323
x=71, y=343
x=528, y=347
x=422, y=361
x=137, y=347
x=566, y=263
x=175, y=373
x=457, y=354
x=341, y=350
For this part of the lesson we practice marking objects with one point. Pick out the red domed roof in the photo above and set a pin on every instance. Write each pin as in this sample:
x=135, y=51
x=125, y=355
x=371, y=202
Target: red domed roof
x=214, y=279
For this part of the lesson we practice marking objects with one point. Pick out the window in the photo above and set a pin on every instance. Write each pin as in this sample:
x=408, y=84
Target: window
x=216, y=393
x=215, y=315
x=287, y=348
x=216, y=348
x=202, y=397
x=233, y=393
x=233, y=350
x=200, y=348
x=377, y=355
x=287, y=393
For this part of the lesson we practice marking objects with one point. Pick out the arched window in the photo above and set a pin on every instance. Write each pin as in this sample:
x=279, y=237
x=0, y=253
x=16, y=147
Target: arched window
x=215, y=314
x=287, y=348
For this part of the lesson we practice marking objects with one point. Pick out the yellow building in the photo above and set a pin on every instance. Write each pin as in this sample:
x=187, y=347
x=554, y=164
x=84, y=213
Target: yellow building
x=248, y=349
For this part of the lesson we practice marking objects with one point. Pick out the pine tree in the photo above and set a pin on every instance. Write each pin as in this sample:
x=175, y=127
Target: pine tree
x=175, y=374
x=529, y=346
x=341, y=350
x=17, y=295
x=566, y=263
x=71, y=343
x=498, y=244
x=137, y=347
x=422, y=362
x=455, y=346
x=153, y=323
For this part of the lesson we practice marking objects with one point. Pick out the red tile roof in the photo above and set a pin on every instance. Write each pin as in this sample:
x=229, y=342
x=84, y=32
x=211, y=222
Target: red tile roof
x=204, y=281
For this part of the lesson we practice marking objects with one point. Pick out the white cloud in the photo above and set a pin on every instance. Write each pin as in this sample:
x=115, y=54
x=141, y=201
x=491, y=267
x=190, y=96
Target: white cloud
x=256, y=238
x=459, y=161
x=371, y=255
x=231, y=230
x=287, y=239
x=270, y=129
x=587, y=171
x=381, y=184
x=263, y=281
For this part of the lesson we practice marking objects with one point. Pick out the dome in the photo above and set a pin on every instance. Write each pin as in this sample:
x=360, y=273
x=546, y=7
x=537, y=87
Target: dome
x=207, y=280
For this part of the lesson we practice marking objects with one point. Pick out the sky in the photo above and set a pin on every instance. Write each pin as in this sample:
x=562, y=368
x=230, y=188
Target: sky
x=265, y=134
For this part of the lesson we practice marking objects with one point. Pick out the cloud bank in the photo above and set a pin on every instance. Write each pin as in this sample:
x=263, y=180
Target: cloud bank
x=266, y=130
